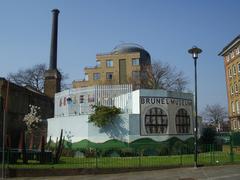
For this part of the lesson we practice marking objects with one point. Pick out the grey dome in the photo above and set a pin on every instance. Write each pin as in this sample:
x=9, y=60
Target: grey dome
x=128, y=47
x=132, y=47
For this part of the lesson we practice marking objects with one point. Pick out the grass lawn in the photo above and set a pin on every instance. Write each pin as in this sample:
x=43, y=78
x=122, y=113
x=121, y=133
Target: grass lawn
x=126, y=162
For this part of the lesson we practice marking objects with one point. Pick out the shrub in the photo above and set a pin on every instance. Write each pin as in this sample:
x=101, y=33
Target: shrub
x=103, y=115
x=208, y=135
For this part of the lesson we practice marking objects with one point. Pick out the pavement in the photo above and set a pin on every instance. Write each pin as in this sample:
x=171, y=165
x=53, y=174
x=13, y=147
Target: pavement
x=229, y=172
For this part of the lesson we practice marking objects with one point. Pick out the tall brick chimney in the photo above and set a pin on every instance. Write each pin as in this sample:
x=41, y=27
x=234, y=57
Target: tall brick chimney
x=52, y=82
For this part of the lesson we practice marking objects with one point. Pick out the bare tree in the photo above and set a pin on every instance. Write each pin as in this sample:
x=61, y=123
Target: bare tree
x=163, y=76
x=33, y=77
x=215, y=115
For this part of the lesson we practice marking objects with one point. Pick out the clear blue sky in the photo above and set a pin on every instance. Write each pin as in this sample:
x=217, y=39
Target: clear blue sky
x=165, y=28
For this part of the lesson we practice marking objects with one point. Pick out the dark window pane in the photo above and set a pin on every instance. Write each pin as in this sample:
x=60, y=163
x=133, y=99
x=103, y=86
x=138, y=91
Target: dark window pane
x=182, y=121
x=156, y=121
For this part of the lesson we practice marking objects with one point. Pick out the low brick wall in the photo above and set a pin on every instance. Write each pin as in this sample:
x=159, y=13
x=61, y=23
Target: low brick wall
x=70, y=172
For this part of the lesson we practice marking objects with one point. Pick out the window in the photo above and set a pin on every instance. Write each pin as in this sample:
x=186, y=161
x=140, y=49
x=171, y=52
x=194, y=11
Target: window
x=109, y=75
x=81, y=99
x=237, y=107
x=135, y=62
x=232, y=54
x=238, y=50
x=227, y=58
x=182, y=121
x=230, y=72
x=234, y=69
x=109, y=63
x=96, y=76
x=86, y=77
x=156, y=121
x=98, y=64
x=233, y=108
x=135, y=75
x=232, y=90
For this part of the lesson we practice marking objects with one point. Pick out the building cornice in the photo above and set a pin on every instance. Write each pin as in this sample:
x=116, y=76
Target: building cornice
x=230, y=46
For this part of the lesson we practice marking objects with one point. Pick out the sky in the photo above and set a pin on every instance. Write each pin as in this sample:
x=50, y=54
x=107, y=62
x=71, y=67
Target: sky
x=165, y=28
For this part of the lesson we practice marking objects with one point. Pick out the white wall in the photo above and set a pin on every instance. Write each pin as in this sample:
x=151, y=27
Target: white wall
x=77, y=125
x=81, y=129
x=135, y=102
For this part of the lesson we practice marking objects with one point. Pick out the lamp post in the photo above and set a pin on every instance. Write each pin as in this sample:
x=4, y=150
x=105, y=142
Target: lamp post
x=195, y=51
x=5, y=110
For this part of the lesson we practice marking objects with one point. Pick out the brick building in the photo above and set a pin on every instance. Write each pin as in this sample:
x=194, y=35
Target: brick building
x=231, y=55
x=19, y=99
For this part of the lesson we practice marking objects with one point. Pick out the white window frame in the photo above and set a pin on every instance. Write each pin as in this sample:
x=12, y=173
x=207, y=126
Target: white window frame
x=236, y=88
x=233, y=108
x=232, y=54
x=232, y=90
x=237, y=107
x=109, y=63
x=238, y=68
x=98, y=63
x=238, y=50
x=234, y=70
x=86, y=77
x=227, y=58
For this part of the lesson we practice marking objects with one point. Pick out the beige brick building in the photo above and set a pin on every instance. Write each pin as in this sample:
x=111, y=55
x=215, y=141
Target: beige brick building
x=231, y=54
x=126, y=63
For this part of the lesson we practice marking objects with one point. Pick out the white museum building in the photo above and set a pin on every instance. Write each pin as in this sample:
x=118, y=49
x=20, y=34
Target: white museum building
x=146, y=113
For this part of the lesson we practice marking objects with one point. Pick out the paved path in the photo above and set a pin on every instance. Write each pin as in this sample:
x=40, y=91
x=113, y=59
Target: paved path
x=229, y=172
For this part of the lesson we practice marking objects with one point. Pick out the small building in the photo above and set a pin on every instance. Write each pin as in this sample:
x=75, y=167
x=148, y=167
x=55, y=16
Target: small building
x=231, y=55
x=155, y=114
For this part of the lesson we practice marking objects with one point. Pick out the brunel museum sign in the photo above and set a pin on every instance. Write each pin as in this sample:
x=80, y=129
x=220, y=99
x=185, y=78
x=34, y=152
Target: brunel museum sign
x=165, y=100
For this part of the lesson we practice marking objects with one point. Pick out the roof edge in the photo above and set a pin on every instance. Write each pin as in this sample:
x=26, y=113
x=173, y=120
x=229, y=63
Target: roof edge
x=229, y=45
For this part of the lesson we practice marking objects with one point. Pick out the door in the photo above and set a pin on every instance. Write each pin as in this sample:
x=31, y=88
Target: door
x=122, y=71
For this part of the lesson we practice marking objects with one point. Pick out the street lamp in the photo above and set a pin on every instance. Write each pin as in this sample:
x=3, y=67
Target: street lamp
x=195, y=51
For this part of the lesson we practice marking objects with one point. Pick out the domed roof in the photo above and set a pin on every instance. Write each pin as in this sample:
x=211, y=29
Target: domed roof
x=128, y=47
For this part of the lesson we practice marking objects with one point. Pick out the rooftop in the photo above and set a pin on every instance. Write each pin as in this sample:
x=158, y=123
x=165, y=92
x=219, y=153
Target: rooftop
x=230, y=45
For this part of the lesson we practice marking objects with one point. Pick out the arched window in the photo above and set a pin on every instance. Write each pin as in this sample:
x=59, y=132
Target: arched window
x=182, y=121
x=156, y=121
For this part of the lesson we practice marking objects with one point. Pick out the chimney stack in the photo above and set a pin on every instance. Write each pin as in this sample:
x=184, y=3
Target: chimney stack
x=52, y=82
x=54, y=38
